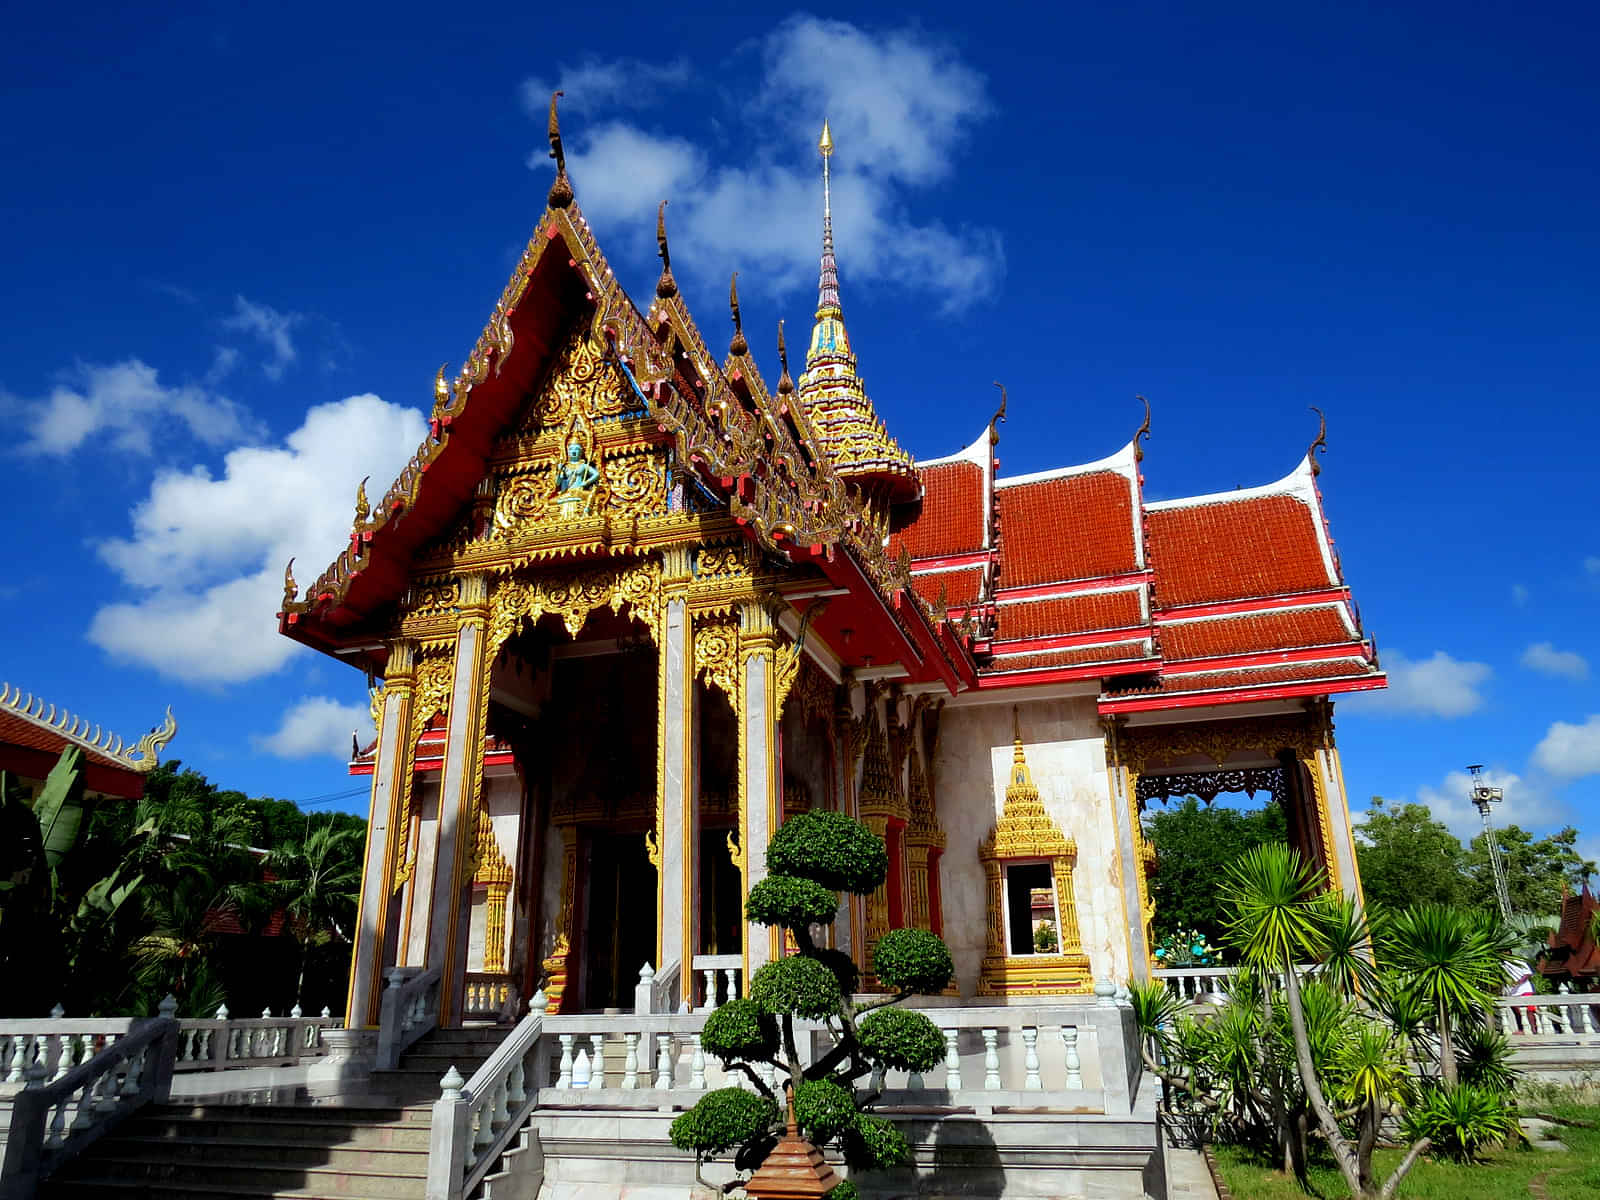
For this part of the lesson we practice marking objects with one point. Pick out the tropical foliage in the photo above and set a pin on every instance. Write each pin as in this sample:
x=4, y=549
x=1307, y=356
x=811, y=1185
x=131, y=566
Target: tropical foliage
x=813, y=857
x=106, y=907
x=1388, y=1025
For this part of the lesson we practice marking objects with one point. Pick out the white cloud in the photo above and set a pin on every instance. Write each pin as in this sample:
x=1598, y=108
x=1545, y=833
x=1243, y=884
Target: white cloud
x=1569, y=751
x=595, y=85
x=1547, y=660
x=1525, y=803
x=271, y=328
x=901, y=105
x=1439, y=686
x=206, y=554
x=128, y=401
x=317, y=725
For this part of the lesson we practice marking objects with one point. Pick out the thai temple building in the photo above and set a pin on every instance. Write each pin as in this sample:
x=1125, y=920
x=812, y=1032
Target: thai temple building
x=631, y=606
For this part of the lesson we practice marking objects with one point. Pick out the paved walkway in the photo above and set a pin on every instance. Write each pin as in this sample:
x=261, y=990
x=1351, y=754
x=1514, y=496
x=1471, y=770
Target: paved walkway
x=1187, y=1177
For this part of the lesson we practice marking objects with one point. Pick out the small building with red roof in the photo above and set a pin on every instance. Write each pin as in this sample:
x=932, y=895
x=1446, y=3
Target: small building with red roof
x=33, y=733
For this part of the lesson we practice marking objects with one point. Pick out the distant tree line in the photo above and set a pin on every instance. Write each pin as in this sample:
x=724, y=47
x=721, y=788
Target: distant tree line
x=106, y=907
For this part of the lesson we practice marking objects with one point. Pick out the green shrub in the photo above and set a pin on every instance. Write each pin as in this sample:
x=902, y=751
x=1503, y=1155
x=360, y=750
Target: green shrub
x=799, y=985
x=834, y=850
x=875, y=1142
x=740, y=1029
x=845, y=1191
x=722, y=1120
x=1463, y=1121
x=903, y=1040
x=843, y=967
x=913, y=960
x=1483, y=1058
x=786, y=900
x=823, y=1109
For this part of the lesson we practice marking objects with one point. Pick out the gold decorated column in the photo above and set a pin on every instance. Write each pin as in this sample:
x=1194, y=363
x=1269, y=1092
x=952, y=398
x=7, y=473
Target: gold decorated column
x=386, y=826
x=460, y=783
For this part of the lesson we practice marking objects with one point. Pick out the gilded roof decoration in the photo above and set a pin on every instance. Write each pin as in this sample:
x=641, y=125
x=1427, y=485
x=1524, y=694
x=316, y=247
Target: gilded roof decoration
x=1025, y=829
x=142, y=756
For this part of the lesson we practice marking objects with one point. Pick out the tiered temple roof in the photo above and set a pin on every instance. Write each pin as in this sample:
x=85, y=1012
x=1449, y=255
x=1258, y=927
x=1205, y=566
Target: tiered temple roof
x=33, y=734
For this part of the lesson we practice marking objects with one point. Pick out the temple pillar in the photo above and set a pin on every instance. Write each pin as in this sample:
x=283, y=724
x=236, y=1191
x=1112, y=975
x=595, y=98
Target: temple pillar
x=759, y=770
x=460, y=783
x=1331, y=805
x=677, y=830
x=386, y=829
x=1131, y=857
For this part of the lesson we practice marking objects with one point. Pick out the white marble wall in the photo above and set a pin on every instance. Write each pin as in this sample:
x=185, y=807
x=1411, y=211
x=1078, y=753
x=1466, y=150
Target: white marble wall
x=1066, y=753
x=503, y=791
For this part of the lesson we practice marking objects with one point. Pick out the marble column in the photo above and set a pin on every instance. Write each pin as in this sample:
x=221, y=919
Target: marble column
x=386, y=831
x=1327, y=787
x=759, y=767
x=460, y=782
x=678, y=815
x=1130, y=866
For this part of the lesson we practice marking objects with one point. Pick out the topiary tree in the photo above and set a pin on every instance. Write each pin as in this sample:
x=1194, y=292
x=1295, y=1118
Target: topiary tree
x=812, y=858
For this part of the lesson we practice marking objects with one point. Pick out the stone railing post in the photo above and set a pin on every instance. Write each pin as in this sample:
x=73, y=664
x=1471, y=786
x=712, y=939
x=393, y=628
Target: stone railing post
x=449, y=1139
x=644, y=990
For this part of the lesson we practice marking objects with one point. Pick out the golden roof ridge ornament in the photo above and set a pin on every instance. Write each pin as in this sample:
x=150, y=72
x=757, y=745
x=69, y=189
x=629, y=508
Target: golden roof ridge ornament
x=140, y=757
x=737, y=345
x=999, y=417
x=1320, y=444
x=1142, y=432
x=785, y=383
x=363, y=509
x=666, y=286
x=561, y=190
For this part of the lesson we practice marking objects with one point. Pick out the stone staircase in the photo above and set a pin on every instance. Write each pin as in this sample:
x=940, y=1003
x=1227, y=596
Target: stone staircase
x=374, y=1147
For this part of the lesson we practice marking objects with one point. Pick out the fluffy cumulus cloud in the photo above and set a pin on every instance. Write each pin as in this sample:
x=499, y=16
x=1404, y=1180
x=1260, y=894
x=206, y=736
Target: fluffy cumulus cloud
x=1570, y=751
x=126, y=402
x=273, y=329
x=206, y=554
x=318, y=726
x=1547, y=660
x=1438, y=686
x=1526, y=802
x=902, y=106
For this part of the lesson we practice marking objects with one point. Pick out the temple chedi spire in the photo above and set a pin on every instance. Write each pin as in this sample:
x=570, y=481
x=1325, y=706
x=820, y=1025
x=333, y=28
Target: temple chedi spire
x=855, y=440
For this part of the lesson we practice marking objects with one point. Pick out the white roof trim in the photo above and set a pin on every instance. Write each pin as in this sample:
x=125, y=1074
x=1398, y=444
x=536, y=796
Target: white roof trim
x=1339, y=606
x=978, y=454
x=1122, y=462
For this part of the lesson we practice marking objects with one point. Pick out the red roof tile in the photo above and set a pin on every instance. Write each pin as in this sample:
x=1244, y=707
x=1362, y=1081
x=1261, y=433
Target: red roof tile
x=951, y=519
x=1069, y=614
x=16, y=731
x=1073, y=527
x=1283, y=629
x=1076, y=656
x=1205, y=681
x=961, y=587
x=1263, y=546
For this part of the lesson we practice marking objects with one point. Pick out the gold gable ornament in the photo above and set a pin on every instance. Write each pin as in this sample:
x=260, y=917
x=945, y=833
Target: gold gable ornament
x=1025, y=835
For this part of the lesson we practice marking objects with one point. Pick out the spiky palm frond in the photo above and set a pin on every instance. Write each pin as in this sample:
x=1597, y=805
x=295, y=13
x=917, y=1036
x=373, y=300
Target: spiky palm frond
x=1271, y=893
x=1447, y=956
x=1370, y=1065
x=1155, y=1008
x=1347, y=958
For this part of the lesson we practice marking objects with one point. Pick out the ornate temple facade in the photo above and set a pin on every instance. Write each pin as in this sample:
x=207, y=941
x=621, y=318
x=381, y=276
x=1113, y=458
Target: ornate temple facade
x=631, y=607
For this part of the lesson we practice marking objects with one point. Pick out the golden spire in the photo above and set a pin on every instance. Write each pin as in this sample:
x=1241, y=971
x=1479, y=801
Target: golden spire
x=828, y=284
x=666, y=286
x=738, y=345
x=561, y=189
x=825, y=142
x=1020, y=790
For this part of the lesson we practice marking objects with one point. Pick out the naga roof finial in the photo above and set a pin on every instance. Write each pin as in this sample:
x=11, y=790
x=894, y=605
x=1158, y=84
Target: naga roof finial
x=999, y=416
x=1142, y=432
x=561, y=189
x=785, y=383
x=291, y=589
x=363, y=509
x=1320, y=444
x=666, y=286
x=737, y=345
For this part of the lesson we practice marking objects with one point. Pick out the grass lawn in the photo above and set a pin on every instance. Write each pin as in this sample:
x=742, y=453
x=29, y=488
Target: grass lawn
x=1503, y=1176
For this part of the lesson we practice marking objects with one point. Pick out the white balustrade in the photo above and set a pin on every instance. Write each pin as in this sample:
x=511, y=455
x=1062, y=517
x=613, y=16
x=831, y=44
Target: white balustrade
x=697, y=1064
x=663, y=1060
x=630, y=1062
x=991, y=1060
x=410, y=1009
x=720, y=976
x=1561, y=1020
x=1074, y=1065
x=952, y=1062
x=1030, y=1041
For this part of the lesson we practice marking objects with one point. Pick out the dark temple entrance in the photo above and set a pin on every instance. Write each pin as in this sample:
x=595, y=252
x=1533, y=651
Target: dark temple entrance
x=618, y=926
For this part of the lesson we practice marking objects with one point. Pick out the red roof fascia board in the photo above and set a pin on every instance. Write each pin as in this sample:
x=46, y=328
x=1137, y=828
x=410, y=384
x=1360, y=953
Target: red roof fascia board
x=1279, y=629
x=1069, y=527
x=1288, y=691
x=427, y=764
x=951, y=518
x=1185, y=612
x=1230, y=550
x=1102, y=583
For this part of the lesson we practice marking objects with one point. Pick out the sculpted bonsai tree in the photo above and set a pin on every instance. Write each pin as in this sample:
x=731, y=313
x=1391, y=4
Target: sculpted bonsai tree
x=812, y=858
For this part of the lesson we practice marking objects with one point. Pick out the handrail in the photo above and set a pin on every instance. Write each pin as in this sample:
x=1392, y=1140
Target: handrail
x=666, y=988
x=122, y=1078
x=410, y=1010
x=474, y=1122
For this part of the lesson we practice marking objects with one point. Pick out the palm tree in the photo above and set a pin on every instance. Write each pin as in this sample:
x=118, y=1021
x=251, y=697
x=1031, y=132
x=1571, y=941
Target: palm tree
x=316, y=885
x=1450, y=959
x=1277, y=918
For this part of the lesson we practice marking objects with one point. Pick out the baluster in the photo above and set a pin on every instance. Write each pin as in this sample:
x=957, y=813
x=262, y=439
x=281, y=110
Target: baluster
x=516, y=1084
x=630, y=1063
x=1069, y=1038
x=483, y=1134
x=991, y=1060
x=952, y=1062
x=1500, y=1023
x=697, y=1064
x=915, y=1082
x=83, y=1118
x=1558, y=1023
x=19, y=1058
x=730, y=976
x=502, y=1107
x=327, y=1013
x=598, y=1062
x=68, y=1057
x=879, y=1077
x=1030, y=1059
x=710, y=977
x=663, y=1060
x=106, y=1087
x=767, y=1072
x=58, y=1126
x=582, y=1071
x=130, y=1081
x=565, y=1078
x=1578, y=1019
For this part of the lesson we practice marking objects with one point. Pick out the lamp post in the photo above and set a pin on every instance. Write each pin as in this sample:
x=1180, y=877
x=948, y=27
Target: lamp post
x=1482, y=797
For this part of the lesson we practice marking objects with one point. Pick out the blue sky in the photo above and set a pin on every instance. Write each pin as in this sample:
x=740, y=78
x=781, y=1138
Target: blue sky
x=241, y=239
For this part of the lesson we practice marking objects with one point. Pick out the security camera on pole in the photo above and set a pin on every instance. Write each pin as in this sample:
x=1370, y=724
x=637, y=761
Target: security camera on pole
x=1482, y=797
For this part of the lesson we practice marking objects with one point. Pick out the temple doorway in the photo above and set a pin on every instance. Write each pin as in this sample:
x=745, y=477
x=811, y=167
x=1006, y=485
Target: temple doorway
x=619, y=925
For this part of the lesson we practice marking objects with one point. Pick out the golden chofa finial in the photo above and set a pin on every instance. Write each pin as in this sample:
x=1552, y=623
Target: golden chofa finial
x=738, y=345
x=1320, y=444
x=363, y=509
x=1142, y=432
x=561, y=189
x=291, y=589
x=825, y=142
x=666, y=286
x=999, y=417
x=785, y=384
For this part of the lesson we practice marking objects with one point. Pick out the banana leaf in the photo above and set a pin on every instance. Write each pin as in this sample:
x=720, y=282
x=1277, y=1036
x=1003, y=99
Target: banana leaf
x=59, y=807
